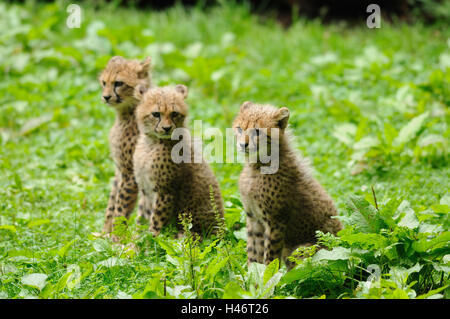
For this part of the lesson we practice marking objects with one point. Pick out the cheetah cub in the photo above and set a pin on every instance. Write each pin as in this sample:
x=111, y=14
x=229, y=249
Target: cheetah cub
x=285, y=208
x=118, y=81
x=169, y=186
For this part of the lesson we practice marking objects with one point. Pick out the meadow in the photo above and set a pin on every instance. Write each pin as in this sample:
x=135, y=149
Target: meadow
x=369, y=109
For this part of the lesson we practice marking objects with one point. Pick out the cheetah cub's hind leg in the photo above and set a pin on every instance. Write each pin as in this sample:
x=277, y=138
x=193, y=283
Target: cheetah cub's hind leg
x=162, y=211
x=111, y=207
x=144, y=212
x=126, y=196
x=121, y=200
x=273, y=241
x=255, y=241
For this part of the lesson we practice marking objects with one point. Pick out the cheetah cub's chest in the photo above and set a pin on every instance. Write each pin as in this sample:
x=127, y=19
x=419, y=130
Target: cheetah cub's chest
x=154, y=169
x=122, y=139
x=252, y=195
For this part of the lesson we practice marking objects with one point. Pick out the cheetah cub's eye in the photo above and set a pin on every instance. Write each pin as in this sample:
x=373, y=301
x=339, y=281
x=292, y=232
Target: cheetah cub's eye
x=175, y=114
x=239, y=129
x=156, y=114
x=118, y=83
x=256, y=132
x=104, y=83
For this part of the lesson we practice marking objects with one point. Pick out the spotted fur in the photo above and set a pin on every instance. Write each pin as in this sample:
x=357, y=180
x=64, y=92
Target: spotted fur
x=170, y=188
x=119, y=80
x=284, y=209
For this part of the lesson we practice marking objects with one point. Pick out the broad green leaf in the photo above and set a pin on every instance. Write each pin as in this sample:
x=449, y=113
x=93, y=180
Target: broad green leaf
x=233, y=291
x=38, y=222
x=322, y=59
x=363, y=216
x=300, y=273
x=390, y=133
x=11, y=228
x=271, y=270
x=35, y=123
x=366, y=143
x=270, y=285
x=193, y=50
x=255, y=273
x=387, y=212
x=207, y=249
x=48, y=291
x=100, y=245
x=215, y=266
x=439, y=208
x=62, y=252
x=173, y=260
x=123, y=295
x=401, y=274
x=409, y=220
x=345, y=133
x=232, y=216
x=76, y=276
x=169, y=248
x=36, y=280
x=18, y=182
x=406, y=216
x=441, y=267
x=153, y=287
x=431, y=139
x=112, y=262
x=439, y=241
x=373, y=241
x=62, y=282
x=8, y=268
x=399, y=294
x=337, y=253
x=445, y=200
x=410, y=130
x=181, y=291
x=241, y=234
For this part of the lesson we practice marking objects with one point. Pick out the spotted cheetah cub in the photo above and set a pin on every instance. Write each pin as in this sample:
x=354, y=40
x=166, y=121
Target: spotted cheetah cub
x=170, y=186
x=118, y=81
x=285, y=208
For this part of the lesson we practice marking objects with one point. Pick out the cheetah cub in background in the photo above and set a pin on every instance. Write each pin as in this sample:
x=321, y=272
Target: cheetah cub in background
x=286, y=208
x=170, y=187
x=118, y=81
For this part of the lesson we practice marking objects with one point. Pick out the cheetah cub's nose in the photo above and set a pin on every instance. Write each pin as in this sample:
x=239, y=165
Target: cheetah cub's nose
x=167, y=128
x=243, y=146
x=107, y=97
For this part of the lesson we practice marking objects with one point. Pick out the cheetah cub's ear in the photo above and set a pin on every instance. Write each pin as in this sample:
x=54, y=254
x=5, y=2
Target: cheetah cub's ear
x=139, y=91
x=282, y=117
x=245, y=105
x=144, y=67
x=182, y=89
x=116, y=60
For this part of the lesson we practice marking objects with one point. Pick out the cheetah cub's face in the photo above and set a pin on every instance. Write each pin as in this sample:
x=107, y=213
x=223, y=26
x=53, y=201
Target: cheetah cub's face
x=161, y=110
x=120, y=78
x=256, y=125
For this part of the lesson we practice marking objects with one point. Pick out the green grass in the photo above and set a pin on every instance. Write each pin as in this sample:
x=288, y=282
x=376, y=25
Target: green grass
x=369, y=108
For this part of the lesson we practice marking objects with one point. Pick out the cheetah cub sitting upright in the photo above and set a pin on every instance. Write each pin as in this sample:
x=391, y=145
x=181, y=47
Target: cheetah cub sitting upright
x=118, y=81
x=170, y=186
x=284, y=207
